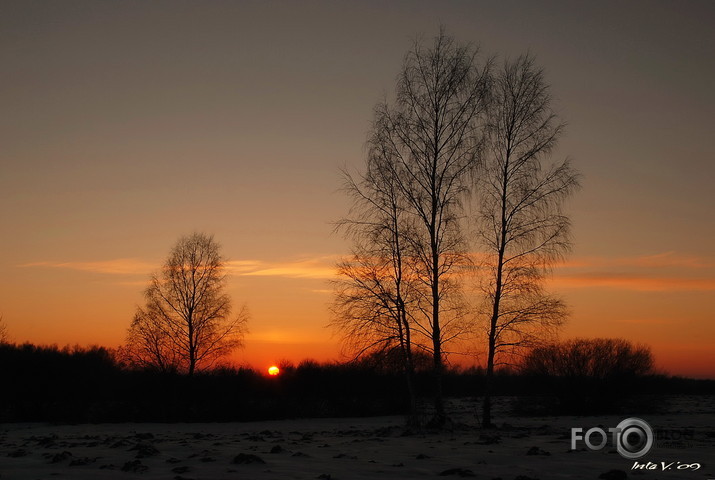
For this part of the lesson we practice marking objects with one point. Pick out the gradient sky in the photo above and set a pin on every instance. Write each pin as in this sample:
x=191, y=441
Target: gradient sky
x=127, y=124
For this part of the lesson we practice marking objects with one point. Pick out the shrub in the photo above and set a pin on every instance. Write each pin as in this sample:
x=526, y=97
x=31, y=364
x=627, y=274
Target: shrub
x=589, y=375
x=598, y=358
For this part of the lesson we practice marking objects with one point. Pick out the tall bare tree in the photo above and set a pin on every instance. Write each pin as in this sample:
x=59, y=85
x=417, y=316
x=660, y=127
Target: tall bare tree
x=433, y=134
x=186, y=323
x=375, y=290
x=522, y=227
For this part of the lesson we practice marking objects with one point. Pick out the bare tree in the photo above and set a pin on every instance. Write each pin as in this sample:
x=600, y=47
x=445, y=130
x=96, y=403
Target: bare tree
x=376, y=292
x=373, y=296
x=371, y=314
x=521, y=224
x=433, y=135
x=186, y=324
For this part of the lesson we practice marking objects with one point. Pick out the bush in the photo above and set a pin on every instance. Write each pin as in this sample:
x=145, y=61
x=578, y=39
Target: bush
x=598, y=358
x=589, y=375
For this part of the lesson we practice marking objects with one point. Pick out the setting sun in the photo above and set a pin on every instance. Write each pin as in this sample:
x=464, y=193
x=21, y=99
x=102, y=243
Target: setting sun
x=273, y=371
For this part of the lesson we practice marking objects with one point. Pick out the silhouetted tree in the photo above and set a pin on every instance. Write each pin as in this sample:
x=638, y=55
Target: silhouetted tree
x=431, y=137
x=521, y=224
x=375, y=292
x=186, y=322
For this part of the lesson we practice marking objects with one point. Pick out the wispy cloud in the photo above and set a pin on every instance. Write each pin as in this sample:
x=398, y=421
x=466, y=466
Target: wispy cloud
x=630, y=282
x=667, y=271
x=662, y=272
x=660, y=260
x=120, y=266
x=314, y=268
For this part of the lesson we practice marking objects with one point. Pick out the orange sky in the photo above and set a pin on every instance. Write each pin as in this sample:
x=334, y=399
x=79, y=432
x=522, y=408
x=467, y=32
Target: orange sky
x=660, y=300
x=126, y=126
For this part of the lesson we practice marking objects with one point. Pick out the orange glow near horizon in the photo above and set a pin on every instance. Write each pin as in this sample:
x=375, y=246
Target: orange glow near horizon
x=95, y=306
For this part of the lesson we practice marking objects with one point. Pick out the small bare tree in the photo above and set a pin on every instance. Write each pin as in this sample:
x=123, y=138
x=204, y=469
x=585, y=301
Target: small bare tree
x=433, y=133
x=521, y=224
x=186, y=323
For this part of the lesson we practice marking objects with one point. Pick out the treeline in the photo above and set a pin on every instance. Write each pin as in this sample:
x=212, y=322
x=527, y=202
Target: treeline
x=79, y=385
x=46, y=383
x=74, y=384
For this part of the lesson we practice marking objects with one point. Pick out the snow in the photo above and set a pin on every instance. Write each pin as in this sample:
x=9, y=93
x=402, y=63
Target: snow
x=359, y=448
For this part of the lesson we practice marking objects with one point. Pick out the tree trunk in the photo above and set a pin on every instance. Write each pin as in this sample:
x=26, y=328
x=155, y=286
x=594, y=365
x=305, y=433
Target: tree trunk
x=439, y=414
x=413, y=420
x=488, y=383
x=487, y=404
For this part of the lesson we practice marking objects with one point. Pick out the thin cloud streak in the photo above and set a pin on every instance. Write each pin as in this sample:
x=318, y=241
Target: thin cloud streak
x=667, y=271
x=120, y=266
x=660, y=260
x=311, y=268
x=321, y=268
x=639, y=283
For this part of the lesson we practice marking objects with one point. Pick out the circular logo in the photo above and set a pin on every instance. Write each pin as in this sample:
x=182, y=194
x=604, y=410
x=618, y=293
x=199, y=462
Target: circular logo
x=634, y=438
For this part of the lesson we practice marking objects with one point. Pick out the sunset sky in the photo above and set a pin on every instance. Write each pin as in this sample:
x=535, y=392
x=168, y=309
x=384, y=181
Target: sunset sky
x=128, y=124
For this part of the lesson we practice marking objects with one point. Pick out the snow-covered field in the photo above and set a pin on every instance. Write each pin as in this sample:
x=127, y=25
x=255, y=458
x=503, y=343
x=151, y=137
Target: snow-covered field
x=360, y=448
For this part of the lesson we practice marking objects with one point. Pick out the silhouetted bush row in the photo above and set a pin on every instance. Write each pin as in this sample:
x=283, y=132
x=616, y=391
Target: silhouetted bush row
x=88, y=385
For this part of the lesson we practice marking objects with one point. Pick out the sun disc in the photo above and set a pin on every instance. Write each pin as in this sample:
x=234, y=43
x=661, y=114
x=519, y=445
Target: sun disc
x=273, y=371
